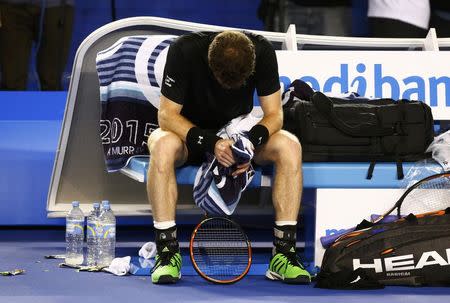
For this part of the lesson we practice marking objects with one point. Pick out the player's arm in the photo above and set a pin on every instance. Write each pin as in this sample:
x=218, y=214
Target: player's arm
x=170, y=119
x=273, y=113
x=272, y=120
x=269, y=124
x=268, y=89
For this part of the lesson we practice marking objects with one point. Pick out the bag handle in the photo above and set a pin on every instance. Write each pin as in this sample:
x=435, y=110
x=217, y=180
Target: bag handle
x=325, y=106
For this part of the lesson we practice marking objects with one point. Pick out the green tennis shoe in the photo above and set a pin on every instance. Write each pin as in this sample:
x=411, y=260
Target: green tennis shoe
x=167, y=268
x=288, y=269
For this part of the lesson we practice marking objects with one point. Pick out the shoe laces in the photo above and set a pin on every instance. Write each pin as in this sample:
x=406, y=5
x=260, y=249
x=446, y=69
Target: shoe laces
x=294, y=259
x=165, y=258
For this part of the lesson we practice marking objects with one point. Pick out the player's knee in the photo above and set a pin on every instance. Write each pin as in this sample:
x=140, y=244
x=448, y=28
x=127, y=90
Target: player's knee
x=153, y=138
x=289, y=149
x=163, y=148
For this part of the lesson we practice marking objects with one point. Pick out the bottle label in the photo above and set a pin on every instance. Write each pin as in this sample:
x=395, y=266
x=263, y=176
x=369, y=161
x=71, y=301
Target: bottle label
x=75, y=227
x=93, y=230
x=109, y=231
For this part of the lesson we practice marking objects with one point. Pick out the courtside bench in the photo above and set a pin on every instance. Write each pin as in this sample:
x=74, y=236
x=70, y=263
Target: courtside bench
x=315, y=174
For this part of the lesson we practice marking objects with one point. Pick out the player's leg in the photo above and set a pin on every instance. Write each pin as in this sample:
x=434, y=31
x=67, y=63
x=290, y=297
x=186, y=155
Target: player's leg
x=167, y=151
x=284, y=150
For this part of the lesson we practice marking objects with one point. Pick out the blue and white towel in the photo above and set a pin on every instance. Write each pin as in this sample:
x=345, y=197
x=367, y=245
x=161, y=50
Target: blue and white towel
x=216, y=191
x=130, y=75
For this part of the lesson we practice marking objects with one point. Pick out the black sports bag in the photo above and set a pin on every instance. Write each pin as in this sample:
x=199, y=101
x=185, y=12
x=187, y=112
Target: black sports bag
x=412, y=251
x=359, y=130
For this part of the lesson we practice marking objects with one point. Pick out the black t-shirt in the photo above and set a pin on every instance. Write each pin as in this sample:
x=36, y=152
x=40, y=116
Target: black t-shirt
x=189, y=81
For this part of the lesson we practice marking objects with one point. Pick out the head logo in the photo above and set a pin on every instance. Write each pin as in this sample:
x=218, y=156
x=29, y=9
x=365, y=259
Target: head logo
x=405, y=262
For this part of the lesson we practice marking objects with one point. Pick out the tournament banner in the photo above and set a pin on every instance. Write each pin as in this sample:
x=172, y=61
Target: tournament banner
x=415, y=75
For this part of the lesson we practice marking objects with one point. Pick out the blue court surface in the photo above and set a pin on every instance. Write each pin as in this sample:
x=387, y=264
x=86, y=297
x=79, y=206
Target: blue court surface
x=44, y=281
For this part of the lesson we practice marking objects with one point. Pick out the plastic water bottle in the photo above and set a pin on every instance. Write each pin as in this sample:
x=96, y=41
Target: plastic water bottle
x=104, y=203
x=92, y=235
x=74, y=235
x=100, y=233
x=107, y=247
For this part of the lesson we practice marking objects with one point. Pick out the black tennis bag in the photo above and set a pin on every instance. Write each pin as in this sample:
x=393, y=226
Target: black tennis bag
x=412, y=251
x=358, y=130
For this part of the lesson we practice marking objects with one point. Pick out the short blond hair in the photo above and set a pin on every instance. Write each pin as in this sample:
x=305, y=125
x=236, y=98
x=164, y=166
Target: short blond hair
x=231, y=57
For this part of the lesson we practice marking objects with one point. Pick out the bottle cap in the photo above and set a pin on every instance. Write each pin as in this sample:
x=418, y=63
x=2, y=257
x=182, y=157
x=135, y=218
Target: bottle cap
x=106, y=207
x=105, y=202
x=96, y=205
x=75, y=203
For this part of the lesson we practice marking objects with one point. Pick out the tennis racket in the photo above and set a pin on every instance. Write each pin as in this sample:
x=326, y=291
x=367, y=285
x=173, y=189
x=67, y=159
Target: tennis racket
x=220, y=250
x=427, y=195
x=431, y=194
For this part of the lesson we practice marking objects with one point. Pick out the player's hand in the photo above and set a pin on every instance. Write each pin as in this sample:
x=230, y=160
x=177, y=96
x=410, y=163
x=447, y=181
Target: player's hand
x=223, y=153
x=242, y=168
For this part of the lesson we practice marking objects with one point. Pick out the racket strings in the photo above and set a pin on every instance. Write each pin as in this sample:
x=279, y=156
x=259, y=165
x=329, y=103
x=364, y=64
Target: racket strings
x=220, y=250
x=429, y=196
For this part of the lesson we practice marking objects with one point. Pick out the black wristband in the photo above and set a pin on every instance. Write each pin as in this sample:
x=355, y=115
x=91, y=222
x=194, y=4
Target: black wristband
x=258, y=135
x=199, y=140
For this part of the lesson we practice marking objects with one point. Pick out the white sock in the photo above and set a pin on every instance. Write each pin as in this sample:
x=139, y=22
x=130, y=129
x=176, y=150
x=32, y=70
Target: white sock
x=164, y=224
x=281, y=223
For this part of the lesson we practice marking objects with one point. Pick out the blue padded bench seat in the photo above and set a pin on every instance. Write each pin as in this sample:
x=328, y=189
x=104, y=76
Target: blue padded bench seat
x=315, y=174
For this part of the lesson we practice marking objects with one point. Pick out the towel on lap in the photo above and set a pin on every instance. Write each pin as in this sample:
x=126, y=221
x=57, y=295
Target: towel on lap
x=216, y=191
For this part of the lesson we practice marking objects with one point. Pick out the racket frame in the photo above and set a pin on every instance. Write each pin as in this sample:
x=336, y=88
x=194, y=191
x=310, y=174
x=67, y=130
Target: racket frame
x=194, y=263
x=399, y=202
x=398, y=206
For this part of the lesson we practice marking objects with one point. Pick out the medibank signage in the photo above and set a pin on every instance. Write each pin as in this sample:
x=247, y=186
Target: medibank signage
x=416, y=75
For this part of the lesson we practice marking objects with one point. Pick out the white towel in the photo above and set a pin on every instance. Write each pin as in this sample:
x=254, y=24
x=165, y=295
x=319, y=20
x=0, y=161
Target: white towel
x=119, y=266
x=148, y=250
x=146, y=263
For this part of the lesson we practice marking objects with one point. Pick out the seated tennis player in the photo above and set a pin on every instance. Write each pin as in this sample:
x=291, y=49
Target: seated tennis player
x=209, y=79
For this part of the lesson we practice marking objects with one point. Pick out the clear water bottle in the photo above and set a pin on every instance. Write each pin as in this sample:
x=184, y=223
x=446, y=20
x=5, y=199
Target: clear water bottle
x=107, y=247
x=104, y=203
x=92, y=235
x=74, y=235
